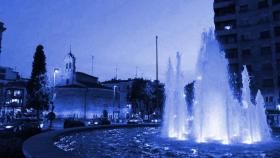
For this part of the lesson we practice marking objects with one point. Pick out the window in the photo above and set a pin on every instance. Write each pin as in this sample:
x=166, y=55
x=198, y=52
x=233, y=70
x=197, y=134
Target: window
x=70, y=65
x=246, y=37
x=2, y=76
x=243, y=8
x=231, y=53
x=265, y=35
x=17, y=93
x=276, y=15
x=2, y=70
x=246, y=53
x=226, y=25
x=228, y=39
x=269, y=99
x=267, y=67
x=9, y=92
x=278, y=64
x=225, y=10
x=234, y=67
x=66, y=65
x=275, y=2
x=244, y=22
x=267, y=83
x=265, y=51
x=262, y=4
x=249, y=68
x=277, y=30
x=277, y=47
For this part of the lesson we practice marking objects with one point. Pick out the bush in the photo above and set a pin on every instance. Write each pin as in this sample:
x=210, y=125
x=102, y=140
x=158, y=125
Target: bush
x=70, y=123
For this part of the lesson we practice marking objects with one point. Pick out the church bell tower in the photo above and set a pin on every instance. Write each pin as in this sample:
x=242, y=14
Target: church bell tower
x=69, y=68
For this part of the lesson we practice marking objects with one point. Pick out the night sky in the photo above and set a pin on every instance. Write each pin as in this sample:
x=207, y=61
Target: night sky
x=118, y=33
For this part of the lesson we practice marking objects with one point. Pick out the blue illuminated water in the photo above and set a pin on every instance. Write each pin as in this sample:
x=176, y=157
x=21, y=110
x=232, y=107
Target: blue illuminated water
x=148, y=142
x=216, y=113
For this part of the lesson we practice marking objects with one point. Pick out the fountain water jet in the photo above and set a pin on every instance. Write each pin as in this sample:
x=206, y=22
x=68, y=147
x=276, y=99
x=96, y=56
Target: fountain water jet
x=176, y=124
x=217, y=115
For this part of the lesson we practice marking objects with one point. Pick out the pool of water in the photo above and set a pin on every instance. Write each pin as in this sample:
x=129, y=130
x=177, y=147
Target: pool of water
x=148, y=142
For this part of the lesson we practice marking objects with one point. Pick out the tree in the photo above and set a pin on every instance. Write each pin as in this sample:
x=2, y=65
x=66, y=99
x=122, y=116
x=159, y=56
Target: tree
x=136, y=95
x=146, y=96
x=38, y=90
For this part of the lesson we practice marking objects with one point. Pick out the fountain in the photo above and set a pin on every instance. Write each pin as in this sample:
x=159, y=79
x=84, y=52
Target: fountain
x=176, y=116
x=217, y=116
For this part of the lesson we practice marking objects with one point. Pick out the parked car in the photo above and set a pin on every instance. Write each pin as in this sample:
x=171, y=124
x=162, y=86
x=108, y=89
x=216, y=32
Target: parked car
x=155, y=119
x=21, y=126
x=135, y=120
x=99, y=121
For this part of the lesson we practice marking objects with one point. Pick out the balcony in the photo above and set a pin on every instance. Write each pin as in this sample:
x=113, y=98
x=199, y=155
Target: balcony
x=225, y=32
x=222, y=3
x=225, y=17
x=225, y=10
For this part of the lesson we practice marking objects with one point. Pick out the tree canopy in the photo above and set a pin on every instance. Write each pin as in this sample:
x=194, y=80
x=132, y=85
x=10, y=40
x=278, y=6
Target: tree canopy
x=38, y=91
x=146, y=96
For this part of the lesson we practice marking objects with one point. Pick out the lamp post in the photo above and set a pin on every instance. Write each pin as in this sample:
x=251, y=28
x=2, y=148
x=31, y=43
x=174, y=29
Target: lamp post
x=55, y=71
x=115, y=107
x=51, y=115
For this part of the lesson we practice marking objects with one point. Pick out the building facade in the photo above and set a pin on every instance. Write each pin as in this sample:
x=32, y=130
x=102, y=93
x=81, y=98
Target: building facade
x=2, y=29
x=8, y=74
x=12, y=88
x=81, y=95
x=249, y=33
x=15, y=95
x=123, y=86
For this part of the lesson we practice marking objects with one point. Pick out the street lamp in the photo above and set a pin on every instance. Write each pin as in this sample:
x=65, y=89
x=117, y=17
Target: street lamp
x=116, y=108
x=55, y=71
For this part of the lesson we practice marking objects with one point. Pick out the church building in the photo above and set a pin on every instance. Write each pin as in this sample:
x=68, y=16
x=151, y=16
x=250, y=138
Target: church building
x=81, y=95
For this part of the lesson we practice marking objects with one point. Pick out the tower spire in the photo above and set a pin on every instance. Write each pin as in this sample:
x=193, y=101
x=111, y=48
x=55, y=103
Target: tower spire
x=157, y=58
x=136, y=72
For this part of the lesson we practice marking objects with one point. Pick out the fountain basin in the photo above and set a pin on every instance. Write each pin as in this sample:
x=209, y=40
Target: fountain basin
x=42, y=145
x=136, y=141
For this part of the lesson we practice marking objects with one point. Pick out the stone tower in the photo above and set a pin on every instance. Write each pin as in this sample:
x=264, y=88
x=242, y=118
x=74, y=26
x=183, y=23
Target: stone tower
x=2, y=29
x=69, y=68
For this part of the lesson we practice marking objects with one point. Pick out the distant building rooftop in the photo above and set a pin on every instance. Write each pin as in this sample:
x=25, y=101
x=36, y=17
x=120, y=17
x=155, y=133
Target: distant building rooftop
x=17, y=83
x=116, y=81
x=87, y=75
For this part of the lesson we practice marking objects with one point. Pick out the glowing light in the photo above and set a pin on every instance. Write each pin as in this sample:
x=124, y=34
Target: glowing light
x=228, y=27
x=201, y=140
x=199, y=78
x=278, y=107
x=225, y=142
x=247, y=142
x=166, y=148
x=8, y=127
